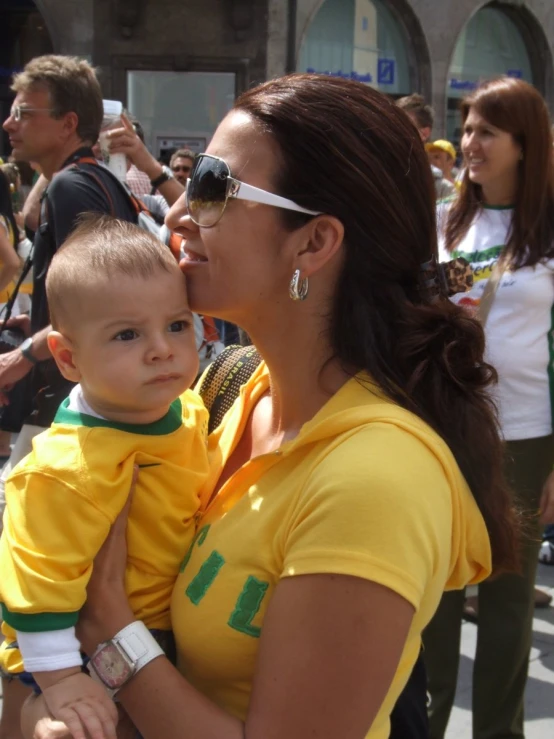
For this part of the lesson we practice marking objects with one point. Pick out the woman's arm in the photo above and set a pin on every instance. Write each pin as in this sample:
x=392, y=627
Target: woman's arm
x=9, y=260
x=329, y=650
x=328, y=653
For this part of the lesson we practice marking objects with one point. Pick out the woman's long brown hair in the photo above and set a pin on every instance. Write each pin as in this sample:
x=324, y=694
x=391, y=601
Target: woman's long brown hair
x=349, y=151
x=516, y=107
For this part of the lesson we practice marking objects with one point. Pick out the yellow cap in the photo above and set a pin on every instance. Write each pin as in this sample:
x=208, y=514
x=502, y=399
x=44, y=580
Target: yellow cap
x=442, y=145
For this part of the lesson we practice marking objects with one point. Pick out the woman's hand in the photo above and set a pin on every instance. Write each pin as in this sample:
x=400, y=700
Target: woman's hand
x=107, y=610
x=546, y=507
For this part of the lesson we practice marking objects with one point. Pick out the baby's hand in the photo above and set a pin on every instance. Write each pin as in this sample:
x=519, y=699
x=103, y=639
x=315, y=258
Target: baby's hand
x=83, y=706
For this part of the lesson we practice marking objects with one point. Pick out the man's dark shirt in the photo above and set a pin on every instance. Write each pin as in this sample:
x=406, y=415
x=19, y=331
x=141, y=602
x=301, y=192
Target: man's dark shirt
x=72, y=192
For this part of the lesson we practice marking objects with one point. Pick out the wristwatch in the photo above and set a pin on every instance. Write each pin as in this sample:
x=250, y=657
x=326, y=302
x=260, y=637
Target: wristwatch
x=166, y=175
x=26, y=348
x=117, y=660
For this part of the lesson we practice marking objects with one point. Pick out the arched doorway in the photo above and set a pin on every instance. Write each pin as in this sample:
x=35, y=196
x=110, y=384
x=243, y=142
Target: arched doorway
x=365, y=40
x=499, y=39
x=23, y=35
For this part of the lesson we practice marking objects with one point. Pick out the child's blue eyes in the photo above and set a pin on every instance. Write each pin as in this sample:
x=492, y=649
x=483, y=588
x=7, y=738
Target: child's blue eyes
x=129, y=334
x=177, y=326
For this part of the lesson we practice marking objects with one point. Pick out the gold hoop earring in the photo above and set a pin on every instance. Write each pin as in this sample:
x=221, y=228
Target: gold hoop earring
x=298, y=289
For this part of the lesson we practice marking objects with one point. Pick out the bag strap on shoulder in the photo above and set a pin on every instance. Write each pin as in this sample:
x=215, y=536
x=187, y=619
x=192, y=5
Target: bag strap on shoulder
x=224, y=378
x=489, y=293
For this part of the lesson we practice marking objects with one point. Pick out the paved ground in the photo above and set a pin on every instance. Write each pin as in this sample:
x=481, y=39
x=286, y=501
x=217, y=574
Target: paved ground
x=539, y=711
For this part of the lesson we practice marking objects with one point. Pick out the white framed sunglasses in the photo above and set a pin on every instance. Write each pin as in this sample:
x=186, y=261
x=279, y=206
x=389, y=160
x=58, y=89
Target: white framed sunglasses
x=211, y=185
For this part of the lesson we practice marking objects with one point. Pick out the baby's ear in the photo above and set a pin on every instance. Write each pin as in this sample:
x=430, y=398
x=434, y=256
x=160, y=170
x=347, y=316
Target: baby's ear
x=62, y=350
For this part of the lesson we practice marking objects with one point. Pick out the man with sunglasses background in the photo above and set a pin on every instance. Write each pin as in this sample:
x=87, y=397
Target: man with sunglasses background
x=181, y=165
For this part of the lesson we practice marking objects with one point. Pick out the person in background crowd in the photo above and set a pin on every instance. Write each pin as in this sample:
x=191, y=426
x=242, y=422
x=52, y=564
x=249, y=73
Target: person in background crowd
x=126, y=140
x=24, y=245
x=442, y=155
x=319, y=558
x=181, y=165
x=503, y=224
x=29, y=175
x=14, y=179
x=423, y=118
x=9, y=239
x=138, y=181
x=9, y=266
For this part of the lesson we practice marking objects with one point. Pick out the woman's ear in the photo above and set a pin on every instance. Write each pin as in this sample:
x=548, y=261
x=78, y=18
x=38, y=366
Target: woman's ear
x=325, y=237
x=62, y=351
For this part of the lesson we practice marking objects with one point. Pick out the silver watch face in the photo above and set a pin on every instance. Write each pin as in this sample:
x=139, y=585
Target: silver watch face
x=111, y=666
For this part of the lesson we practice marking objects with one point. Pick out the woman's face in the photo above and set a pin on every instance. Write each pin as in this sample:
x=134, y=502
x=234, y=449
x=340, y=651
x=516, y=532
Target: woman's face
x=242, y=266
x=491, y=154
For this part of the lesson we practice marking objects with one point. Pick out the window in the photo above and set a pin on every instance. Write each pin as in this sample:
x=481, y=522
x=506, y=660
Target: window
x=179, y=109
x=490, y=45
x=358, y=39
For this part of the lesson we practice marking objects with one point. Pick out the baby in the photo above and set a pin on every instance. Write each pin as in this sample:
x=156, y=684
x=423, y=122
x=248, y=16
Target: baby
x=123, y=331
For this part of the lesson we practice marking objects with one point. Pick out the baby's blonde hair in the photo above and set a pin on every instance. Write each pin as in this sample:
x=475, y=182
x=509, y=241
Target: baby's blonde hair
x=99, y=249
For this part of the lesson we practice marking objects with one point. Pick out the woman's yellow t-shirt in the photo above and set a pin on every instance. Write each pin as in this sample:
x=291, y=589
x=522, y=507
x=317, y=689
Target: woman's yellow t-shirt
x=366, y=489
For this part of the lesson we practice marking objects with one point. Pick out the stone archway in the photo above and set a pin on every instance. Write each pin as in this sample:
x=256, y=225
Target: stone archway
x=71, y=26
x=523, y=50
x=417, y=50
x=536, y=41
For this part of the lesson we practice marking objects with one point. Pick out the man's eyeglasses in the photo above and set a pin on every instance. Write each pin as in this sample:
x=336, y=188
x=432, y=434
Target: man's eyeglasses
x=210, y=186
x=183, y=169
x=20, y=111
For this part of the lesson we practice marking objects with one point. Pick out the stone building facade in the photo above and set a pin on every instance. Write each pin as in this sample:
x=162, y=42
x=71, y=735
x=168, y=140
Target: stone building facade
x=178, y=64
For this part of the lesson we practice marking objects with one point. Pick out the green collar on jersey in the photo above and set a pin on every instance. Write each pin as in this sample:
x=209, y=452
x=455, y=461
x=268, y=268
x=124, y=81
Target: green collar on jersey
x=166, y=425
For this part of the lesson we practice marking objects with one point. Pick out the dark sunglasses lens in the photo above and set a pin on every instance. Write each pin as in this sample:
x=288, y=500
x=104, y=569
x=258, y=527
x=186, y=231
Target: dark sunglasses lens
x=207, y=190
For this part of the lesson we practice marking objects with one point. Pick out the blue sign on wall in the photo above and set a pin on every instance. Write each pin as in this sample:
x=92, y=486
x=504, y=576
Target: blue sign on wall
x=462, y=84
x=365, y=23
x=517, y=73
x=385, y=71
x=367, y=78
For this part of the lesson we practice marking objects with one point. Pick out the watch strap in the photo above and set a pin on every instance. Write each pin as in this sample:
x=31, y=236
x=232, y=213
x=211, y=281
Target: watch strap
x=137, y=647
x=138, y=644
x=25, y=349
x=166, y=174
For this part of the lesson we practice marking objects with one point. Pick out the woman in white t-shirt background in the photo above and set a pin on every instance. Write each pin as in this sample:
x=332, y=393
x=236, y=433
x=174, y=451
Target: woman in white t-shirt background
x=505, y=212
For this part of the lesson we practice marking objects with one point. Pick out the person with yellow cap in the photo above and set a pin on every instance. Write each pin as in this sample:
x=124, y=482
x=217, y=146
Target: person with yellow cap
x=442, y=154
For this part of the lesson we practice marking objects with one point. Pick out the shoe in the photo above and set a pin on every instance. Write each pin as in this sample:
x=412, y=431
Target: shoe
x=546, y=553
x=471, y=605
x=542, y=599
x=471, y=609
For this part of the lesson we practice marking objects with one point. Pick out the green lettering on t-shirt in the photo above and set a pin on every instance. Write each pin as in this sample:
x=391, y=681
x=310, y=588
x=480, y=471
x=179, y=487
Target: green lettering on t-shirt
x=198, y=587
x=484, y=255
x=248, y=605
x=199, y=538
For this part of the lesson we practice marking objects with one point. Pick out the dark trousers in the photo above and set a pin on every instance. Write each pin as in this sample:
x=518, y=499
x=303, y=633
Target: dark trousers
x=505, y=619
x=409, y=717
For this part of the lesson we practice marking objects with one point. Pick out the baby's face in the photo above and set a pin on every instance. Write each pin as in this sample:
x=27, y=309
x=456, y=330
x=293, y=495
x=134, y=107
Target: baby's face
x=135, y=348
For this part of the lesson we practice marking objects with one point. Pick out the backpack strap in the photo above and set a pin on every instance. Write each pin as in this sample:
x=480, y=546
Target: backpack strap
x=224, y=378
x=90, y=173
